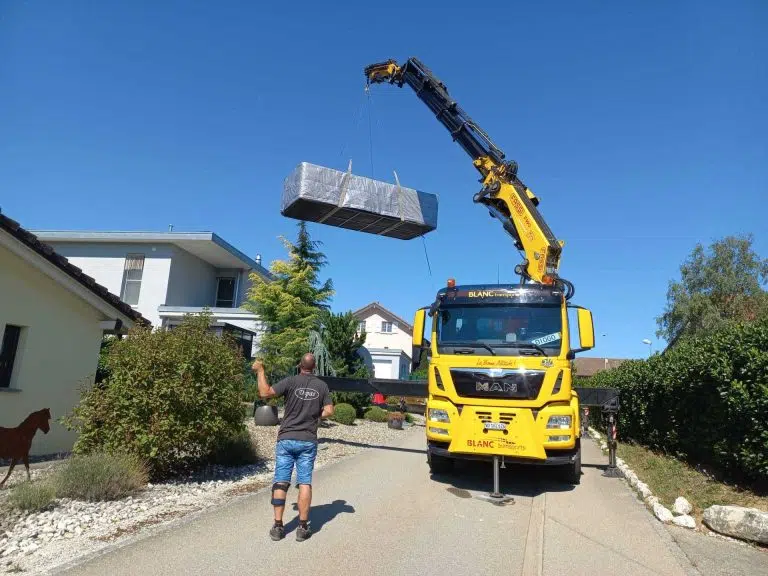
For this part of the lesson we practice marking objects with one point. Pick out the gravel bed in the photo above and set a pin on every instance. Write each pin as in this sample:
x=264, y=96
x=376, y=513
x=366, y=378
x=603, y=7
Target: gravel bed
x=41, y=541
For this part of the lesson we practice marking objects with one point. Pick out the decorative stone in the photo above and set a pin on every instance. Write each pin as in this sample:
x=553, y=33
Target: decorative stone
x=682, y=507
x=739, y=522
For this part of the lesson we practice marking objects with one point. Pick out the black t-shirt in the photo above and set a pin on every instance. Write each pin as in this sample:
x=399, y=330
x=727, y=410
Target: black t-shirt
x=305, y=397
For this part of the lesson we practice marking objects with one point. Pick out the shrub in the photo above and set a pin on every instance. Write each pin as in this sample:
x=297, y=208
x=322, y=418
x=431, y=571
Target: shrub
x=32, y=496
x=100, y=476
x=344, y=414
x=236, y=450
x=408, y=418
x=376, y=414
x=170, y=397
x=358, y=400
x=703, y=401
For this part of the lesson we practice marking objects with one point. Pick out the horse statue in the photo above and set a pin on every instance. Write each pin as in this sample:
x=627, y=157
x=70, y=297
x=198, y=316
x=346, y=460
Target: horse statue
x=16, y=442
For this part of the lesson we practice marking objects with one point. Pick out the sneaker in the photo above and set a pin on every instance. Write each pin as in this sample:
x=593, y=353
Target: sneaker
x=303, y=533
x=277, y=532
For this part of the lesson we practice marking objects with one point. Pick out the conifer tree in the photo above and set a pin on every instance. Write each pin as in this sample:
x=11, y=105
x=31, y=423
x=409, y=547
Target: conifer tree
x=289, y=306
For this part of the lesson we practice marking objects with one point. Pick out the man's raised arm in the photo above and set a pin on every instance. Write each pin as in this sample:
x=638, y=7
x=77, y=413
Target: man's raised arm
x=265, y=390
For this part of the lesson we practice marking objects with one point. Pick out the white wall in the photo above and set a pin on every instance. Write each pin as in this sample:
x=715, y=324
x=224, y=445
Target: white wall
x=375, y=338
x=192, y=281
x=105, y=262
x=58, y=351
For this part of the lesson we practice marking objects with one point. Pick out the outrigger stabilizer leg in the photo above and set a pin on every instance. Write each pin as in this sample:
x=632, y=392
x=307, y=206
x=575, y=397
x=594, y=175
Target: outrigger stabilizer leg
x=496, y=497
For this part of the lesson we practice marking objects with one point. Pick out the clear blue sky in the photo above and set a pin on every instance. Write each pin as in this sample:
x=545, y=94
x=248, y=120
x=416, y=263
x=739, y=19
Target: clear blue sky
x=642, y=129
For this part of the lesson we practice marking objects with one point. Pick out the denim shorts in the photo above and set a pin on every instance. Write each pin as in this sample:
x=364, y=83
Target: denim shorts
x=298, y=452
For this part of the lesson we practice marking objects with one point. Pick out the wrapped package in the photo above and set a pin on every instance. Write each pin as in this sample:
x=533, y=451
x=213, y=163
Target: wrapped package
x=336, y=198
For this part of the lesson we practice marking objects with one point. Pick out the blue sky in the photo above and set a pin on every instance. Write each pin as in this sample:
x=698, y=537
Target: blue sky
x=641, y=129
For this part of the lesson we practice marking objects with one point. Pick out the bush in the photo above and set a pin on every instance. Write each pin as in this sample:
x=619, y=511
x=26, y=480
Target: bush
x=170, y=397
x=237, y=450
x=32, y=496
x=344, y=414
x=100, y=476
x=703, y=401
x=408, y=418
x=376, y=414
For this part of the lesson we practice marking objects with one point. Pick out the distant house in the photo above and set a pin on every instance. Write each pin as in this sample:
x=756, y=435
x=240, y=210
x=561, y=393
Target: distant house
x=53, y=318
x=164, y=275
x=588, y=367
x=387, y=341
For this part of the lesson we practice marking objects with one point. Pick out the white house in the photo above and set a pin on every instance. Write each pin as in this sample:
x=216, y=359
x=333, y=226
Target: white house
x=52, y=321
x=387, y=341
x=165, y=275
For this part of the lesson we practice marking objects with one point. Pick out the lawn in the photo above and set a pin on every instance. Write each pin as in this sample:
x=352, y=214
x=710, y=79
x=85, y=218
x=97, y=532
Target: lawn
x=669, y=478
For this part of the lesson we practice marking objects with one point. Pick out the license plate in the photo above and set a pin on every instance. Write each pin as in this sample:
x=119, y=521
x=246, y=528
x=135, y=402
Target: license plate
x=495, y=425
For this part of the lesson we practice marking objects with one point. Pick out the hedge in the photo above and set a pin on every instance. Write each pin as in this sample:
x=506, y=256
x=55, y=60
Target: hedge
x=704, y=401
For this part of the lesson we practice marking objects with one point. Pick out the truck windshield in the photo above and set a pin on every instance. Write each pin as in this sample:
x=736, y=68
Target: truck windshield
x=505, y=329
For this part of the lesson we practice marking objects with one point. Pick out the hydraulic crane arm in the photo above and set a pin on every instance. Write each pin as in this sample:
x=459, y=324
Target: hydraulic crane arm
x=503, y=193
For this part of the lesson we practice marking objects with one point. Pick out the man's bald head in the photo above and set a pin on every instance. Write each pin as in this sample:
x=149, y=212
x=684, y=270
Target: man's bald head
x=307, y=363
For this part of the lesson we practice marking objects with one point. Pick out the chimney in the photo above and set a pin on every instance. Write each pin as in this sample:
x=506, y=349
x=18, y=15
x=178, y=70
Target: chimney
x=258, y=259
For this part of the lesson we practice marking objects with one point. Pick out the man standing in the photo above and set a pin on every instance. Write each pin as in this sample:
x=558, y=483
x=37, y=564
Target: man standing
x=307, y=400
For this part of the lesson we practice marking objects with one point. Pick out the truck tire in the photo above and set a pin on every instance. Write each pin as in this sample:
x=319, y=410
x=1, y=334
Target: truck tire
x=573, y=470
x=439, y=464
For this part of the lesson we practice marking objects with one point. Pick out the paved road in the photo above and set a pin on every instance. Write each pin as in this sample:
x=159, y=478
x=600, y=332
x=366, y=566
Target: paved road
x=380, y=513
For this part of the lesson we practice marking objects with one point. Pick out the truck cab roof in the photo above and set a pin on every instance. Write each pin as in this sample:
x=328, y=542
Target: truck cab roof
x=479, y=294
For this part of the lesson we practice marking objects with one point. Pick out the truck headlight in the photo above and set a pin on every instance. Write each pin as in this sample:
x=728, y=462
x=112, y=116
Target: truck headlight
x=559, y=422
x=437, y=415
x=559, y=438
x=436, y=430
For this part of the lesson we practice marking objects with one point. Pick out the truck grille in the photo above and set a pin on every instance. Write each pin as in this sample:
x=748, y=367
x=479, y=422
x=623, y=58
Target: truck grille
x=505, y=384
x=505, y=417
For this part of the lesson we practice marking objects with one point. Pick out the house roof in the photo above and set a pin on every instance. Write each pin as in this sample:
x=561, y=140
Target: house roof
x=45, y=251
x=377, y=308
x=207, y=246
x=591, y=366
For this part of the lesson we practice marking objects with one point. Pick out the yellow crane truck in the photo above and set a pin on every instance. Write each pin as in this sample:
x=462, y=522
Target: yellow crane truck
x=500, y=374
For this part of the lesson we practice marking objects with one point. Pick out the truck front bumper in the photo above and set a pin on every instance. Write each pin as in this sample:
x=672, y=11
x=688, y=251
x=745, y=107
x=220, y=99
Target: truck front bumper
x=553, y=457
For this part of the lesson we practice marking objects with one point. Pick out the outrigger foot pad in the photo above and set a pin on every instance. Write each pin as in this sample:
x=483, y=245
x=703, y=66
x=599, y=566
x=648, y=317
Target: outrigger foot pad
x=497, y=499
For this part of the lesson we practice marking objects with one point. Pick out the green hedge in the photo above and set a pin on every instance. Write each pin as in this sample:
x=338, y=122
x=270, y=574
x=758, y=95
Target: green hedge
x=704, y=401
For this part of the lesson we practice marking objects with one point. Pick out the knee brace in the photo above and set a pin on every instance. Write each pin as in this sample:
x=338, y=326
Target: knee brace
x=279, y=486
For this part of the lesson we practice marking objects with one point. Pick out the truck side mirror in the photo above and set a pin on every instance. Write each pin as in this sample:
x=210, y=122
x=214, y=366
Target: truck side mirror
x=586, y=329
x=418, y=328
x=417, y=340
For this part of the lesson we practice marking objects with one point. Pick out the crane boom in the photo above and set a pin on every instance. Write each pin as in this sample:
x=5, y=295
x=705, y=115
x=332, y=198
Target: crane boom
x=503, y=193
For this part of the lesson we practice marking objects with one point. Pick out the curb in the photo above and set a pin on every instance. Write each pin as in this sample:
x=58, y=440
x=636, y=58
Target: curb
x=662, y=513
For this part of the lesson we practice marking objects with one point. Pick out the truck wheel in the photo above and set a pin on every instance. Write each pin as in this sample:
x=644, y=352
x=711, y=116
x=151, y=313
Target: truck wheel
x=439, y=464
x=573, y=471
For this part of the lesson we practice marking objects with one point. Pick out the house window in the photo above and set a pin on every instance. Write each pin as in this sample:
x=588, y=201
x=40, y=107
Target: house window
x=386, y=326
x=361, y=326
x=225, y=292
x=134, y=270
x=11, y=337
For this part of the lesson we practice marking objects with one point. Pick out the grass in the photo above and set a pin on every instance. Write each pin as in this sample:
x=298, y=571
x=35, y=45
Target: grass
x=100, y=477
x=32, y=496
x=669, y=478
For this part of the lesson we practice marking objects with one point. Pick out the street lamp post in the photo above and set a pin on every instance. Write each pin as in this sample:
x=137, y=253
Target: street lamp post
x=650, y=350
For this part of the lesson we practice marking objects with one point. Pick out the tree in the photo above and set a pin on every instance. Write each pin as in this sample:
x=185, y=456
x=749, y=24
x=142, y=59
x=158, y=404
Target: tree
x=308, y=254
x=339, y=334
x=343, y=342
x=715, y=288
x=290, y=305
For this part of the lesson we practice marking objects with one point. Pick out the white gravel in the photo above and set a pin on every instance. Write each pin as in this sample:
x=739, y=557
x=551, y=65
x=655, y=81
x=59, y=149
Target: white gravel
x=38, y=542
